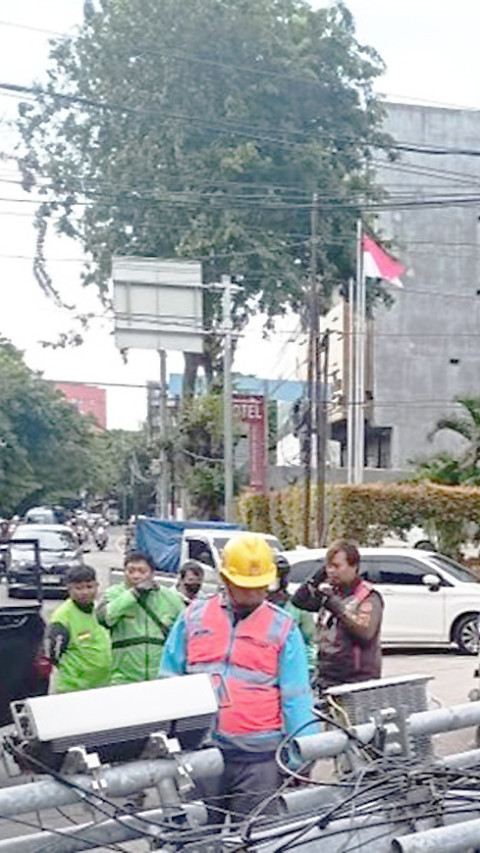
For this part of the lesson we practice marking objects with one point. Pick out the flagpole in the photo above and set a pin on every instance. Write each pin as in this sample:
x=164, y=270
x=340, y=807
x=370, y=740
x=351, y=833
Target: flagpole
x=351, y=382
x=359, y=451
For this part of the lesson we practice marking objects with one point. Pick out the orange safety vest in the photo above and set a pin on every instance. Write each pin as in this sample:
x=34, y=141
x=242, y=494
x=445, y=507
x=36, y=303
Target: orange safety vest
x=244, y=662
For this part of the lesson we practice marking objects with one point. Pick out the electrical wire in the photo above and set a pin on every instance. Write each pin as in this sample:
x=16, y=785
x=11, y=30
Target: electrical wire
x=230, y=127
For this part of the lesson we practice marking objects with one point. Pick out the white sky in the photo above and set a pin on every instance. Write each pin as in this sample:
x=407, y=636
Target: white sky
x=430, y=49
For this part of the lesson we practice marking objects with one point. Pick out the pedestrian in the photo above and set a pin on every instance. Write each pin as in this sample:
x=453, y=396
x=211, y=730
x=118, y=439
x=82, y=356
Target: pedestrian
x=280, y=596
x=256, y=656
x=190, y=580
x=350, y=614
x=139, y=614
x=76, y=644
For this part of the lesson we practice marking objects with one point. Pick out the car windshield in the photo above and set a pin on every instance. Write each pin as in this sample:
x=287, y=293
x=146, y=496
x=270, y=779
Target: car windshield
x=49, y=540
x=459, y=572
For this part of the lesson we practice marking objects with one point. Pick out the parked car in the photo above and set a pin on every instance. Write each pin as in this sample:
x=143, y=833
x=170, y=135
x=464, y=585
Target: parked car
x=21, y=661
x=430, y=600
x=58, y=552
x=44, y=515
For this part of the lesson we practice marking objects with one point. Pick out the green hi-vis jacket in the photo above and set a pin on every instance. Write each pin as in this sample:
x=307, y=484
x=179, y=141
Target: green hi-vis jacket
x=86, y=660
x=139, y=623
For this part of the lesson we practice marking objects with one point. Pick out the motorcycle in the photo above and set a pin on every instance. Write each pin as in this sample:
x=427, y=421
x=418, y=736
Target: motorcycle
x=100, y=536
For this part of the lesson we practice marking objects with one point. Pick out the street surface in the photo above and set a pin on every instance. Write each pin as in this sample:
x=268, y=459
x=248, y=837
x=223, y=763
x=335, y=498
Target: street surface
x=452, y=679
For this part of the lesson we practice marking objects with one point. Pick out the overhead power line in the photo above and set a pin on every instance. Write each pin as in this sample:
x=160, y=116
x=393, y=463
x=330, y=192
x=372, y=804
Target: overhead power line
x=233, y=127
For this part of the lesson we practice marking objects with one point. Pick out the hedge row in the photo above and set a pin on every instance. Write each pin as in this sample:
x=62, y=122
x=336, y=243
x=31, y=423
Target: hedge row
x=449, y=515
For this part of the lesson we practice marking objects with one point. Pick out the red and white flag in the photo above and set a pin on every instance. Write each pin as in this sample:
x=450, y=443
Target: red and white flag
x=377, y=263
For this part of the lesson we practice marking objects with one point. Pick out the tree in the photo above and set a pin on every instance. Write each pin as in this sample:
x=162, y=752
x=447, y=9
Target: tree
x=463, y=469
x=196, y=454
x=122, y=470
x=201, y=130
x=45, y=444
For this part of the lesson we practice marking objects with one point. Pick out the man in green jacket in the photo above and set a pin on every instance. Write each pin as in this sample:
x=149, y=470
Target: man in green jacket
x=76, y=644
x=139, y=615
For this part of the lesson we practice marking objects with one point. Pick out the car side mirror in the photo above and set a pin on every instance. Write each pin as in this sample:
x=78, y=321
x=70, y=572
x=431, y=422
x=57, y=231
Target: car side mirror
x=432, y=581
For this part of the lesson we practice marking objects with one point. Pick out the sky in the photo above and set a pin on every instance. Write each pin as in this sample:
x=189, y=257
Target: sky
x=430, y=50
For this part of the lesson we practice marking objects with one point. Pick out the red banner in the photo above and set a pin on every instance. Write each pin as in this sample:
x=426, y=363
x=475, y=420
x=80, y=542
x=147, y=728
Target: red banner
x=250, y=410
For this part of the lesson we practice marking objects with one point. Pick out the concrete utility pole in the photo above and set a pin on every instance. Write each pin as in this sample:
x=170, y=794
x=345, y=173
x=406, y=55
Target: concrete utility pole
x=308, y=443
x=227, y=397
x=313, y=375
x=161, y=505
x=318, y=418
x=322, y=436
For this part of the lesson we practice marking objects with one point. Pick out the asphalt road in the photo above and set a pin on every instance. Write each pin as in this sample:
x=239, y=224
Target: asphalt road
x=451, y=674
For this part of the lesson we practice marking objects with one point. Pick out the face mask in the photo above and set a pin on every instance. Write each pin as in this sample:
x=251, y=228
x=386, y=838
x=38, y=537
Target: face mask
x=192, y=589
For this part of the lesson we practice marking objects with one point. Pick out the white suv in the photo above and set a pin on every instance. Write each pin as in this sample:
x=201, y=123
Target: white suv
x=430, y=600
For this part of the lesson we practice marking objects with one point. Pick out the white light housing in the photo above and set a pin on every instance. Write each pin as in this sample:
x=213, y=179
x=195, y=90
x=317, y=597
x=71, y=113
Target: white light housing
x=107, y=715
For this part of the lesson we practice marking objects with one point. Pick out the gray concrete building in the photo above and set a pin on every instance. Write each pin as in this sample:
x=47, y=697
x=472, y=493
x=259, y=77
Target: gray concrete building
x=424, y=351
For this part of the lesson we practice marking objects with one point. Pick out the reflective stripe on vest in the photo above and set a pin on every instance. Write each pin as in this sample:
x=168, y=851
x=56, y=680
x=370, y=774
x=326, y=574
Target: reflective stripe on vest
x=243, y=659
x=361, y=592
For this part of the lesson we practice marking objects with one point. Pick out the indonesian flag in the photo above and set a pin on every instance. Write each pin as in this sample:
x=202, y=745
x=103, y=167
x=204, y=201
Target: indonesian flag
x=377, y=263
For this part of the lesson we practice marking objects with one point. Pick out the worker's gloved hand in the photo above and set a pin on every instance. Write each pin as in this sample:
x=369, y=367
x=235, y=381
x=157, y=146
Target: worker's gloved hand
x=325, y=589
x=145, y=586
x=330, y=600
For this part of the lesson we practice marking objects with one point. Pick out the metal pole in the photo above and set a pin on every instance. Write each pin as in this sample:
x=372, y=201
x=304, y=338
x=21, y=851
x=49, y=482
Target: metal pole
x=419, y=724
x=266, y=431
x=322, y=518
x=317, y=380
x=227, y=397
x=359, y=363
x=363, y=347
x=308, y=444
x=350, y=388
x=118, y=781
x=90, y=836
x=161, y=507
x=460, y=836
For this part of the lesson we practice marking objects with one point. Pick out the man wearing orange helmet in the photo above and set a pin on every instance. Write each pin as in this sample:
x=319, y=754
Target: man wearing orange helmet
x=256, y=657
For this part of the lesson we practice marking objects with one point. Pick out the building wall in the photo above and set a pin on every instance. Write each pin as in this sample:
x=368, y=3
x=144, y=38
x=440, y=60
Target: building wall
x=425, y=348
x=88, y=399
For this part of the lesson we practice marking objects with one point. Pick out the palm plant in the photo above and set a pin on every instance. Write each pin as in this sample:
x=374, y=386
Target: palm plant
x=467, y=425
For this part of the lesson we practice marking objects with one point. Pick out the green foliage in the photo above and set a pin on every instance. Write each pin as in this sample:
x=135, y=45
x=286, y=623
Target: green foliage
x=49, y=453
x=121, y=470
x=45, y=443
x=197, y=448
x=368, y=513
x=442, y=468
x=201, y=129
x=464, y=468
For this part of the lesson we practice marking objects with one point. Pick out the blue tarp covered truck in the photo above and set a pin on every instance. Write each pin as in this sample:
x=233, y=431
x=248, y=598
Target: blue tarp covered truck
x=170, y=543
